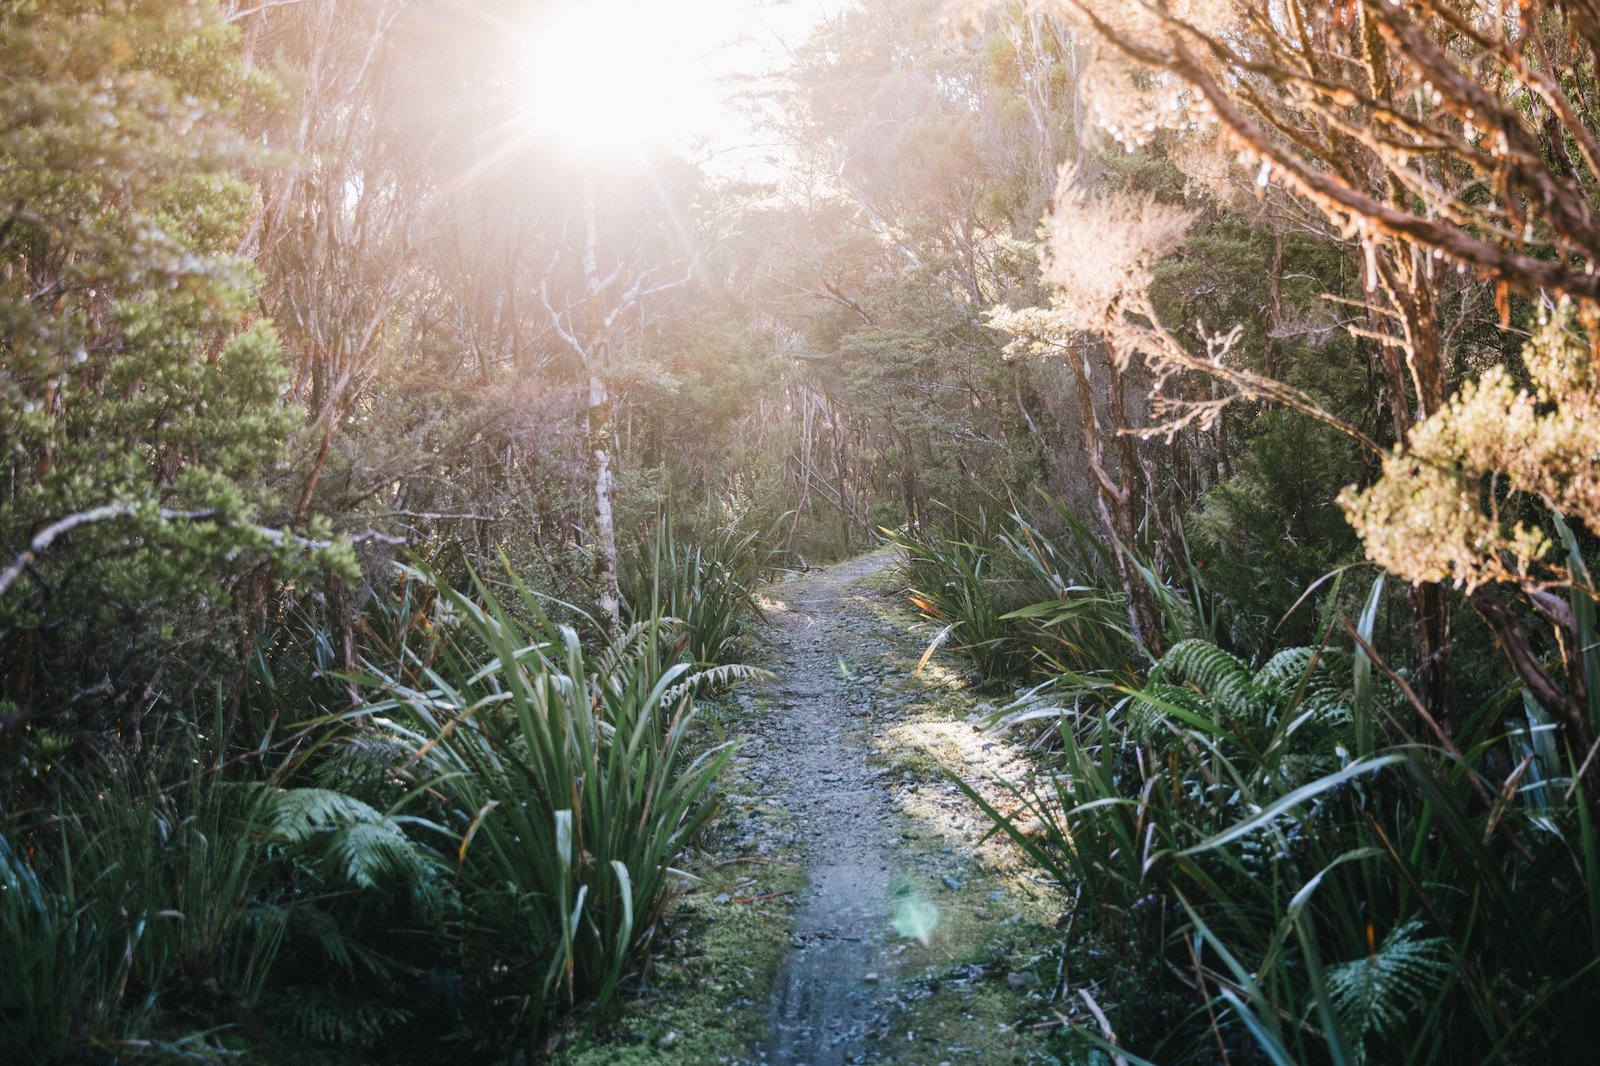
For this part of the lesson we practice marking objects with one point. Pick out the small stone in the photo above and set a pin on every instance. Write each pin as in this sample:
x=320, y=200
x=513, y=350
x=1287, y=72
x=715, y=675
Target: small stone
x=722, y=897
x=668, y=1040
x=951, y=883
x=1022, y=981
x=872, y=978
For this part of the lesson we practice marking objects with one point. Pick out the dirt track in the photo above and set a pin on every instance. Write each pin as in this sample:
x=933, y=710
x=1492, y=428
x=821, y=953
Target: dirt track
x=902, y=934
x=825, y=1004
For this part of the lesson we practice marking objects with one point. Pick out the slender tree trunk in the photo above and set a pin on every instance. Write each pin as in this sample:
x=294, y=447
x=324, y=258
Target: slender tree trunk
x=609, y=598
x=1113, y=500
x=1269, y=347
x=1414, y=364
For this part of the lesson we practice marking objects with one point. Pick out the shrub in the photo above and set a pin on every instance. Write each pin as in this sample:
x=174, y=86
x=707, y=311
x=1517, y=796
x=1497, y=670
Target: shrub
x=1020, y=601
x=1308, y=902
x=706, y=586
x=566, y=778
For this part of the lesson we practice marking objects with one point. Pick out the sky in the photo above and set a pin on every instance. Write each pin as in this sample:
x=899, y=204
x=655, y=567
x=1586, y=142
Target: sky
x=610, y=76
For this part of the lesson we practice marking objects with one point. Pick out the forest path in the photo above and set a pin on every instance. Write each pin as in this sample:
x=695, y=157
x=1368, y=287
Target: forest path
x=902, y=931
x=824, y=1003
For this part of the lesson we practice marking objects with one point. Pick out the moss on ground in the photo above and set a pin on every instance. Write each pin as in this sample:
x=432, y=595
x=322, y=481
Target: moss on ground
x=709, y=992
x=977, y=991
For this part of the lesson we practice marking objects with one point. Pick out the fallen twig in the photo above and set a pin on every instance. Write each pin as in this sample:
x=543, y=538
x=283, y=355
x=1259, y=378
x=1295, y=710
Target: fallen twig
x=762, y=896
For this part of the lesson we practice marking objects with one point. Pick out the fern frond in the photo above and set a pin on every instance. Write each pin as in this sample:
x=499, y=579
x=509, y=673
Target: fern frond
x=329, y=1017
x=1373, y=996
x=1286, y=672
x=623, y=650
x=1225, y=680
x=369, y=854
x=360, y=845
x=713, y=678
x=1147, y=717
x=361, y=764
x=296, y=815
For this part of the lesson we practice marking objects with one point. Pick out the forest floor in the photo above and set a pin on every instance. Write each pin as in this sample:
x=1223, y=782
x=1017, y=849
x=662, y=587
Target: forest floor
x=848, y=907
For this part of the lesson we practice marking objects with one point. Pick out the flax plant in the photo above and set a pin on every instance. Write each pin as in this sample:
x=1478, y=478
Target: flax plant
x=568, y=777
x=1277, y=867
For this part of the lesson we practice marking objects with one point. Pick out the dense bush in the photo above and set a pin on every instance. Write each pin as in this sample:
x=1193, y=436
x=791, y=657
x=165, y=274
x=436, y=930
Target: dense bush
x=1268, y=864
x=1027, y=597
x=493, y=829
x=126, y=896
x=564, y=776
x=142, y=411
x=291, y=290
x=137, y=904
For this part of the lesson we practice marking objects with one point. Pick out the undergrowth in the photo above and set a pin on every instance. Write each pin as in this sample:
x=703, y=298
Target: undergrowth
x=1288, y=862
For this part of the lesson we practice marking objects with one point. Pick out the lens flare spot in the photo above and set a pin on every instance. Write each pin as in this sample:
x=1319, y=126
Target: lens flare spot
x=916, y=919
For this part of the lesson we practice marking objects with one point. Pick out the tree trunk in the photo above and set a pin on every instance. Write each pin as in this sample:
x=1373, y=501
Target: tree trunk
x=1411, y=363
x=608, y=599
x=1113, y=499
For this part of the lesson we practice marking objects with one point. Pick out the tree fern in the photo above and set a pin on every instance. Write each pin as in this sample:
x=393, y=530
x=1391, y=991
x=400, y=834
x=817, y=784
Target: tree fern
x=1373, y=996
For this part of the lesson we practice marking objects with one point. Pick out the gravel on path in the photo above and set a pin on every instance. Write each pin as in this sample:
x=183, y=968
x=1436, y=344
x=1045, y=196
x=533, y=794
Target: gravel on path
x=826, y=1001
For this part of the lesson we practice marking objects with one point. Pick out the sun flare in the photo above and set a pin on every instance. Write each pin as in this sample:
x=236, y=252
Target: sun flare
x=612, y=77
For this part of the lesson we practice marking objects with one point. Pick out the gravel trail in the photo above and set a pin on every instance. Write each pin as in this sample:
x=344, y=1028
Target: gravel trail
x=826, y=1003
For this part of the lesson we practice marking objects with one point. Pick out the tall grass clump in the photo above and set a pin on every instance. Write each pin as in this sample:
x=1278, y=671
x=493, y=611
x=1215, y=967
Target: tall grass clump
x=565, y=776
x=144, y=896
x=1024, y=597
x=1286, y=864
x=119, y=897
x=706, y=584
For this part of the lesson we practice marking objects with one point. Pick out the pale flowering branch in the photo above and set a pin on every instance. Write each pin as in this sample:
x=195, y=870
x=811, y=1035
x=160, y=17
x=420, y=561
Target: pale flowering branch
x=1100, y=254
x=1423, y=519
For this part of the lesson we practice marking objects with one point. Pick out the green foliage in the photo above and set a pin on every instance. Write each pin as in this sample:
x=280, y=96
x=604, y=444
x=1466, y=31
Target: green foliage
x=63, y=973
x=129, y=897
x=1308, y=905
x=1021, y=600
x=707, y=586
x=129, y=377
x=126, y=903
x=327, y=1016
x=1371, y=995
x=355, y=843
x=566, y=777
x=1266, y=535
